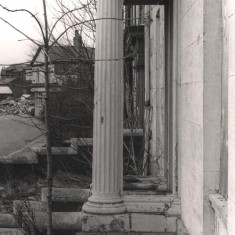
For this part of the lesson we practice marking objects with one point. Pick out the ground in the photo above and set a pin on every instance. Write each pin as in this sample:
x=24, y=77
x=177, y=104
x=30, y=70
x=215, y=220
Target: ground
x=23, y=181
x=16, y=132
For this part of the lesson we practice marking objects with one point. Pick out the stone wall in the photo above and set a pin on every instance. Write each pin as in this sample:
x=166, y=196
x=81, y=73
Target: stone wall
x=231, y=115
x=212, y=99
x=200, y=110
x=191, y=116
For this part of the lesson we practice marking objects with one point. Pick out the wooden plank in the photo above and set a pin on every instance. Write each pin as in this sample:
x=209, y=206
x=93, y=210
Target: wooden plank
x=144, y=2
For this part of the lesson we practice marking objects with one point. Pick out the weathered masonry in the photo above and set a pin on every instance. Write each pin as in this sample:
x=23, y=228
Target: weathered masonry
x=183, y=66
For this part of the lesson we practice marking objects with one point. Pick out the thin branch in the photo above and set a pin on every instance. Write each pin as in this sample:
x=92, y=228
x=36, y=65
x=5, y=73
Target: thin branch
x=80, y=23
x=60, y=18
x=32, y=40
x=24, y=10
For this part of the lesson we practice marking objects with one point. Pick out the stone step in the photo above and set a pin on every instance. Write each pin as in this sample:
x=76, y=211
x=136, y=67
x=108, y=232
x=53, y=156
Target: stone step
x=38, y=206
x=65, y=221
x=22, y=156
x=11, y=231
x=66, y=195
x=55, y=151
x=86, y=142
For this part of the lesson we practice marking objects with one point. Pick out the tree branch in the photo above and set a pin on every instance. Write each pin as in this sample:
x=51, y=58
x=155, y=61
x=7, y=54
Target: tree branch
x=24, y=10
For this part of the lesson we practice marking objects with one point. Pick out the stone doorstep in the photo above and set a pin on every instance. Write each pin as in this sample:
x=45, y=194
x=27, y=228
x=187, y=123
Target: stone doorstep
x=145, y=214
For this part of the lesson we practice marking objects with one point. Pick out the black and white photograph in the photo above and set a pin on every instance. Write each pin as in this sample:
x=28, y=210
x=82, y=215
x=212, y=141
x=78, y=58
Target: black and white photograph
x=117, y=117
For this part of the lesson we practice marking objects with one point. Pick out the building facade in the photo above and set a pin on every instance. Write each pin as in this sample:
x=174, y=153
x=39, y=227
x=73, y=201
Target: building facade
x=188, y=79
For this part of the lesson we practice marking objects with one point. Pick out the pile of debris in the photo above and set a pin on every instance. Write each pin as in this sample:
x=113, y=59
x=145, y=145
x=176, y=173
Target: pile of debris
x=11, y=106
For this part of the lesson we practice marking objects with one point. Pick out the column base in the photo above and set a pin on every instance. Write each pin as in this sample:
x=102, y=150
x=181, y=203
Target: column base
x=96, y=205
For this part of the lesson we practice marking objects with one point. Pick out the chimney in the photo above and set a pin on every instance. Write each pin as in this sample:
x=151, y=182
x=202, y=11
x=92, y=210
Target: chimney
x=77, y=40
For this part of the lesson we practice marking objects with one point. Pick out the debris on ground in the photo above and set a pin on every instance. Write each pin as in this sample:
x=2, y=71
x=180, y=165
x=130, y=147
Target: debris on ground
x=11, y=106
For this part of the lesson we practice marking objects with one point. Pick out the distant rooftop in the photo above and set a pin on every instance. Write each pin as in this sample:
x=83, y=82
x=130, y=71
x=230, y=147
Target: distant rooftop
x=67, y=53
x=5, y=90
x=6, y=81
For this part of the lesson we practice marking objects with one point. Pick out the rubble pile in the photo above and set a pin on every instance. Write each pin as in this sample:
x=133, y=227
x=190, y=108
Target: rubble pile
x=11, y=106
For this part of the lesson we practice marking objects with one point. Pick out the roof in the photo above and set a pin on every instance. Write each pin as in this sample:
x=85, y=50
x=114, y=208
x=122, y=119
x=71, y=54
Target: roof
x=14, y=68
x=6, y=81
x=67, y=53
x=5, y=90
x=58, y=53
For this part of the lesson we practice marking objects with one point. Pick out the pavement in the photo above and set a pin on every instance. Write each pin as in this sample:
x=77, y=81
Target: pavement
x=18, y=132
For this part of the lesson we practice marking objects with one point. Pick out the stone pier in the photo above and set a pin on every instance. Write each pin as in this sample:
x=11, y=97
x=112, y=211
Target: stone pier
x=108, y=114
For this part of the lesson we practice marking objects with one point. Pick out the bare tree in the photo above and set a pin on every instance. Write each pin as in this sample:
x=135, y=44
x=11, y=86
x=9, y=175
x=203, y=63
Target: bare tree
x=48, y=40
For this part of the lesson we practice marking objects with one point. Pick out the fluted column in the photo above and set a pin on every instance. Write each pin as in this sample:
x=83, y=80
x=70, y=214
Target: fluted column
x=108, y=112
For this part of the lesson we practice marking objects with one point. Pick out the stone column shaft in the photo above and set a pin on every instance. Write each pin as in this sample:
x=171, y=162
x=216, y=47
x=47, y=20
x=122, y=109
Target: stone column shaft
x=108, y=112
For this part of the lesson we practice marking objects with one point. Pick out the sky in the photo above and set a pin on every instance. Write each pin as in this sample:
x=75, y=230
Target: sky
x=14, y=47
x=11, y=49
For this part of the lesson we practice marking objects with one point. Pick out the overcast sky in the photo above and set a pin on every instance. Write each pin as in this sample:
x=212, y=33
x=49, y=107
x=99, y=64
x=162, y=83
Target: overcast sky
x=11, y=49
